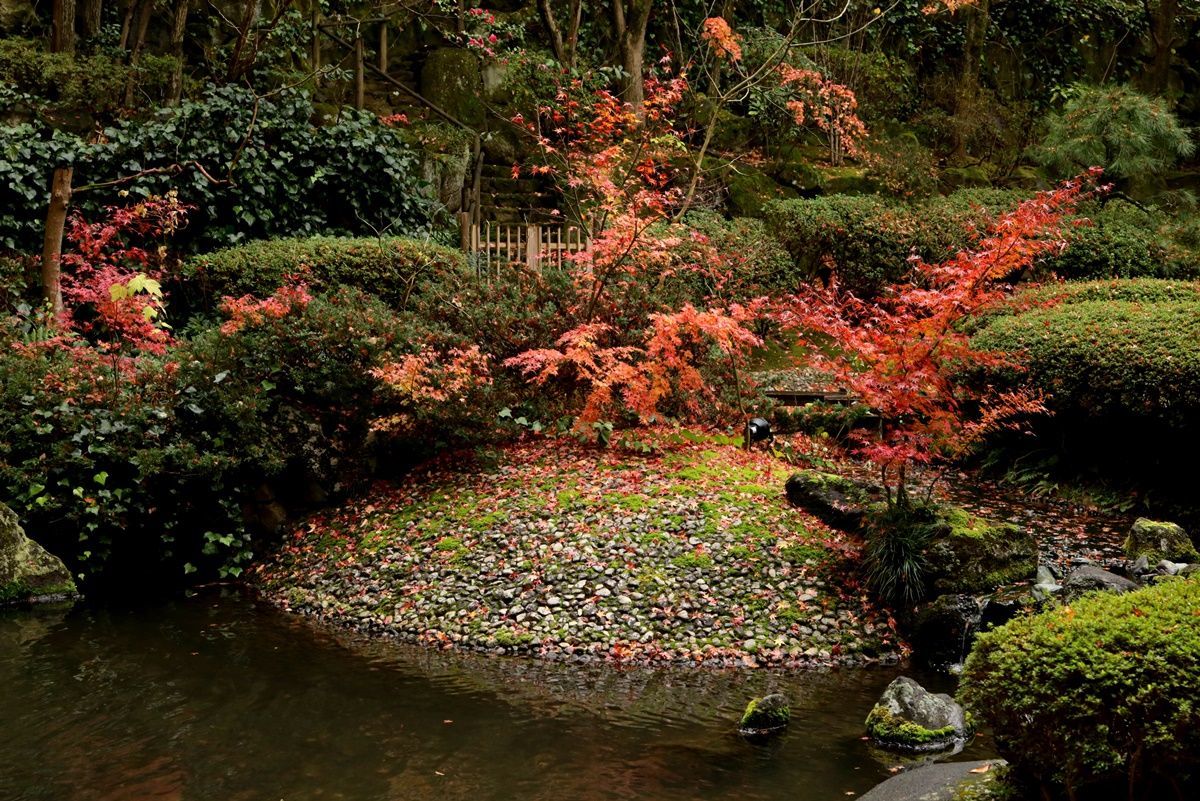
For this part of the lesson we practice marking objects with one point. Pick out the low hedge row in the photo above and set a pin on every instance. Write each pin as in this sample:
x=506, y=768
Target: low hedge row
x=1102, y=691
x=867, y=240
x=388, y=267
x=1128, y=349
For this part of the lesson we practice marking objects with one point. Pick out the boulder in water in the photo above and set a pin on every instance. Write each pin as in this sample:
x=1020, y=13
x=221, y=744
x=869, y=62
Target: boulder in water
x=1158, y=541
x=765, y=716
x=909, y=718
x=944, y=629
x=1090, y=578
x=28, y=572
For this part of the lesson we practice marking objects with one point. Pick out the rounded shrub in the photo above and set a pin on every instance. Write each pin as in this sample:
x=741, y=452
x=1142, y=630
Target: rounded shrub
x=1125, y=348
x=390, y=268
x=866, y=240
x=1121, y=240
x=1103, y=690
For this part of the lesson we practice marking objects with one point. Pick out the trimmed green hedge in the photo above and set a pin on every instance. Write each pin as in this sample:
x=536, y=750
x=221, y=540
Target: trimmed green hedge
x=389, y=268
x=1108, y=348
x=1107, y=689
x=866, y=240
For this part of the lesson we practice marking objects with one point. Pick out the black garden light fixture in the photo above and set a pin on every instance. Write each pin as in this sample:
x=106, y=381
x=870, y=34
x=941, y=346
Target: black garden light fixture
x=757, y=430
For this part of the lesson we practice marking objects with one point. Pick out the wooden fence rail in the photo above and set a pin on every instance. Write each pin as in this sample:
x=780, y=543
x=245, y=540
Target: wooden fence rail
x=499, y=245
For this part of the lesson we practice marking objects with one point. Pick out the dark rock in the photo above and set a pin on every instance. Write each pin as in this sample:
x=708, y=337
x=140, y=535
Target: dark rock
x=28, y=572
x=910, y=718
x=942, y=781
x=944, y=628
x=974, y=555
x=1089, y=578
x=1158, y=541
x=1002, y=607
x=837, y=500
x=451, y=78
x=764, y=716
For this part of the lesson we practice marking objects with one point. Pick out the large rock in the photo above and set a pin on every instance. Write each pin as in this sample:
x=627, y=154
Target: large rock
x=452, y=80
x=940, y=781
x=944, y=628
x=837, y=500
x=765, y=715
x=28, y=572
x=1158, y=541
x=910, y=718
x=969, y=554
x=1090, y=578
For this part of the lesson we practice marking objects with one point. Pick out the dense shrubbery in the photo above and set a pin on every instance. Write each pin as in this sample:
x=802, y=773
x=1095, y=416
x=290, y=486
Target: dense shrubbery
x=270, y=172
x=67, y=85
x=1134, y=137
x=866, y=240
x=154, y=458
x=1102, y=691
x=1108, y=349
x=388, y=267
x=1123, y=241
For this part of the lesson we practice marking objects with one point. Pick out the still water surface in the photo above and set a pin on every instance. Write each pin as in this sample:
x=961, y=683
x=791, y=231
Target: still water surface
x=217, y=698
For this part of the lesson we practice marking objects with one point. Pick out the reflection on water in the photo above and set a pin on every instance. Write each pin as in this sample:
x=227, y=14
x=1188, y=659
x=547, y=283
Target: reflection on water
x=218, y=698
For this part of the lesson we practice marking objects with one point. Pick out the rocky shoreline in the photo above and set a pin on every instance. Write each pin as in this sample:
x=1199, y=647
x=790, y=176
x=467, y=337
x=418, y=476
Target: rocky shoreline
x=692, y=555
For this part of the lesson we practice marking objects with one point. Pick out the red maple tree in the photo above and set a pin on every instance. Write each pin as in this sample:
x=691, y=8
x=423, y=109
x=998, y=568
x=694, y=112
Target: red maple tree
x=902, y=353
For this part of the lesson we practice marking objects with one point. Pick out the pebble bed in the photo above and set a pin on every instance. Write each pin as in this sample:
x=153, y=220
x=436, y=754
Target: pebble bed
x=691, y=555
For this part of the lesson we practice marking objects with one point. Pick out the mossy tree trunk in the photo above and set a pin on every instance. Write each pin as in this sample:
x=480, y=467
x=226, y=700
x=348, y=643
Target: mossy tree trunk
x=62, y=27
x=178, y=26
x=631, y=18
x=1162, y=21
x=976, y=17
x=56, y=218
x=89, y=17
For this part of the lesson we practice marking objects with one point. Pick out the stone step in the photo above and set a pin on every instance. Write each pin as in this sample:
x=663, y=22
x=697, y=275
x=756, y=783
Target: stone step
x=518, y=200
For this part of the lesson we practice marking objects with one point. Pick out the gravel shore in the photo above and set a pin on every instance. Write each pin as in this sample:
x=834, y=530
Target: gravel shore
x=688, y=555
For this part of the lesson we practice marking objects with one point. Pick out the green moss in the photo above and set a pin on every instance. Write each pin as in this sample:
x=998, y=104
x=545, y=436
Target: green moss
x=885, y=727
x=508, y=638
x=963, y=524
x=764, y=716
x=799, y=553
x=693, y=560
x=450, y=544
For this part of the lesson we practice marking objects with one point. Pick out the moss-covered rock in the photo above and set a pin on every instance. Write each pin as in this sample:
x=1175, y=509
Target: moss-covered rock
x=27, y=570
x=1157, y=541
x=764, y=715
x=966, y=177
x=969, y=554
x=451, y=78
x=837, y=500
x=910, y=718
x=749, y=188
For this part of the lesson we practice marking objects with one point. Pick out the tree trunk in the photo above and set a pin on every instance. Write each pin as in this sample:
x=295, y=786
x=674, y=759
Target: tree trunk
x=565, y=45
x=1161, y=19
x=178, y=26
x=56, y=220
x=976, y=17
x=62, y=27
x=89, y=17
x=250, y=12
x=127, y=23
x=145, y=11
x=630, y=20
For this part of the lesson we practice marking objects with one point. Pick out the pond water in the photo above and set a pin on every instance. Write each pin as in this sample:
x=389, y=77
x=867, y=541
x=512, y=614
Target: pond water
x=218, y=697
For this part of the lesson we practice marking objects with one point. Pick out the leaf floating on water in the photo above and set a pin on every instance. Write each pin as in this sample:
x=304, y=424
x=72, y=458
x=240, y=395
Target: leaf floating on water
x=981, y=769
